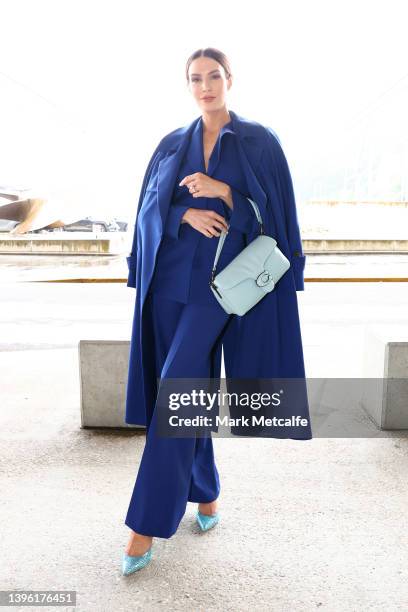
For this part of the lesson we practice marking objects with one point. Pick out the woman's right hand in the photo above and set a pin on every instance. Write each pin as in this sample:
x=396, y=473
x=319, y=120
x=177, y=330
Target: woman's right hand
x=208, y=222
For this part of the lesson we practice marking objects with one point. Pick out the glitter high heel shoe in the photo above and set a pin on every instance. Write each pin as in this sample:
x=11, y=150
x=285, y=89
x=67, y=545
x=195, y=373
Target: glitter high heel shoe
x=131, y=564
x=207, y=521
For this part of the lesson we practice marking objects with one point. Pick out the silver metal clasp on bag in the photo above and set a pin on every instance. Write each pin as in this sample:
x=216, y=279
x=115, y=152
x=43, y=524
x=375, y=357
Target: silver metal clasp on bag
x=264, y=278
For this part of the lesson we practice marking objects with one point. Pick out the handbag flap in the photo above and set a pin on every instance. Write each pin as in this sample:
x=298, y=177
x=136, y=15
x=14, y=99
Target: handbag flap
x=260, y=255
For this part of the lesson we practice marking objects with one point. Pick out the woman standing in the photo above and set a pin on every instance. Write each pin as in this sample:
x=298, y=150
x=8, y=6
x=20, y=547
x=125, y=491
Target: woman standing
x=195, y=187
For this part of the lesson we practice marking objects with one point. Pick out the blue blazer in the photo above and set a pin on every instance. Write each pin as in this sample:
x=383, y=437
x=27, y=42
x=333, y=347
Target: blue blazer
x=185, y=257
x=266, y=342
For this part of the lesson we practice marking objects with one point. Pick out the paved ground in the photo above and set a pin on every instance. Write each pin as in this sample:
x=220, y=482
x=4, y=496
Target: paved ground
x=308, y=525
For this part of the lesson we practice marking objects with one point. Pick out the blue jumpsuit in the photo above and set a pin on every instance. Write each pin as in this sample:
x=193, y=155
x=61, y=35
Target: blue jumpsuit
x=187, y=322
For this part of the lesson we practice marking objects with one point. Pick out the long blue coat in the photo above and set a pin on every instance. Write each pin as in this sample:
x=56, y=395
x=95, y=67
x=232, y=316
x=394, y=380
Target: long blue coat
x=264, y=343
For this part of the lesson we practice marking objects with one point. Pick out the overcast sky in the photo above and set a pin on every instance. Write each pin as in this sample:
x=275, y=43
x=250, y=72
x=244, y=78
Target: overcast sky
x=87, y=89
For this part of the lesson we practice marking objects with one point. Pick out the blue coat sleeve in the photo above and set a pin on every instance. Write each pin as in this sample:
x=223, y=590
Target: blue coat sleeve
x=280, y=169
x=173, y=221
x=131, y=259
x=242, y=216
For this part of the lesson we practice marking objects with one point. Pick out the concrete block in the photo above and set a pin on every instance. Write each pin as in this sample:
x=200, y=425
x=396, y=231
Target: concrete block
x=103, y=369
x=386, y=361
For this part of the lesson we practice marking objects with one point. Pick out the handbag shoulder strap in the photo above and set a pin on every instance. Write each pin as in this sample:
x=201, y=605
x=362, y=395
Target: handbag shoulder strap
x=257, y=213
x=223, y=236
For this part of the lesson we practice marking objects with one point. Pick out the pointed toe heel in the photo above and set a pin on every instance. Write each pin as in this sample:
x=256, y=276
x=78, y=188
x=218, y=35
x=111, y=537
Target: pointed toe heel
x=207, y=521
x=131, y=564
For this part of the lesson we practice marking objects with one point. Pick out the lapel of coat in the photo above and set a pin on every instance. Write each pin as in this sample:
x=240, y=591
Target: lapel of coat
x=249, y=149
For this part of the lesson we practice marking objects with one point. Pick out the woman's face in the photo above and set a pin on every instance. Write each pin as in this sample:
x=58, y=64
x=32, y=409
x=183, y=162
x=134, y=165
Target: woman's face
x=207, y=79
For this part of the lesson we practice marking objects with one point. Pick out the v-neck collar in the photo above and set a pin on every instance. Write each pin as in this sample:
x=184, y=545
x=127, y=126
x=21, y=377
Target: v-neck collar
x=197, y=149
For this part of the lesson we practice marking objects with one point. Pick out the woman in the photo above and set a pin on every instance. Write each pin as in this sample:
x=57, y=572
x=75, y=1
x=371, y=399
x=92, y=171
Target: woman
x=196, y=186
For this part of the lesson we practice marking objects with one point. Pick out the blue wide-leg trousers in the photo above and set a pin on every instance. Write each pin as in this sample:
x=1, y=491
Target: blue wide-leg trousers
x=174, y=471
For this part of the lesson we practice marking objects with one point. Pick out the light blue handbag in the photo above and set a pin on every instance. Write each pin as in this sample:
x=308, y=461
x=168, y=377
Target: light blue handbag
x=251, y=275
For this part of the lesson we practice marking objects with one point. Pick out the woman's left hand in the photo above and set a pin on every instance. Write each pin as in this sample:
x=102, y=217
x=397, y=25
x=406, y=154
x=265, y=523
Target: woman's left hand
x=201, y=185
